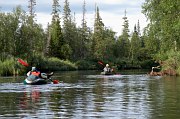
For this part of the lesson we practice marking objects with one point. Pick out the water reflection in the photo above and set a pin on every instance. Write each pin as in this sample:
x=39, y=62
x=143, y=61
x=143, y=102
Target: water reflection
x=87, y=95
x=29, y=98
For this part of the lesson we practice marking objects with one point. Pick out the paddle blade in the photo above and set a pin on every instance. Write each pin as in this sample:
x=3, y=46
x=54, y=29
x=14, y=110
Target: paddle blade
x=100, y=62
x=23, y=62
x=55, y=81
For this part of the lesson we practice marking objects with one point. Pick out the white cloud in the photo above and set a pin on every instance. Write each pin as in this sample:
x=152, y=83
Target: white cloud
x=111, y=11
x=111, y=1
x=12, y=2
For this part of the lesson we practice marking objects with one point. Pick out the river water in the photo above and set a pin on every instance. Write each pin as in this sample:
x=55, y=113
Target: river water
x=88, y=95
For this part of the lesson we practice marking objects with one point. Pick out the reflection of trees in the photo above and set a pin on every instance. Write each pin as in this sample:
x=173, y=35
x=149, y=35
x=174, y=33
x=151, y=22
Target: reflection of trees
x=29, y=100
x=13, y=104
x=99, y=99
x=125, y=94
x=9, y=103
x=164, y=98
x=65, y=104
x=100, y=92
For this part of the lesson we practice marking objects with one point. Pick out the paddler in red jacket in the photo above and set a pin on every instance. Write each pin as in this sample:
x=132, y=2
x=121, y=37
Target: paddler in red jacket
x=34, y=72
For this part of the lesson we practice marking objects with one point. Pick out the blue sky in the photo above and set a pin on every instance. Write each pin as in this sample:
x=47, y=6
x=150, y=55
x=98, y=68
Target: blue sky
x=111, y=11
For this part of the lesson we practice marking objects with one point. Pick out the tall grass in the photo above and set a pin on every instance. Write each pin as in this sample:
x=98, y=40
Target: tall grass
x=13, y=67
x=10, y=67
x=56, y=64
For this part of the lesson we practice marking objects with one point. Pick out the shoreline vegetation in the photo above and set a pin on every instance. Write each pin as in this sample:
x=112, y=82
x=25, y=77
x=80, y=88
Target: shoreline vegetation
x=11, y=66
x=64, y=46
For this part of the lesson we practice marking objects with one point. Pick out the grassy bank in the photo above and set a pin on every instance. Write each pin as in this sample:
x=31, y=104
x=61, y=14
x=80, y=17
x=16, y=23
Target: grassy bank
x=11, y=66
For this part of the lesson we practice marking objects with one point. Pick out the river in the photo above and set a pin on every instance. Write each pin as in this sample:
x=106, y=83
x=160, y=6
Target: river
x=88, y=95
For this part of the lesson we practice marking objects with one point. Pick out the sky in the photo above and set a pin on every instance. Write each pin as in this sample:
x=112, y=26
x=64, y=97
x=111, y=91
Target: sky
x=111, y=12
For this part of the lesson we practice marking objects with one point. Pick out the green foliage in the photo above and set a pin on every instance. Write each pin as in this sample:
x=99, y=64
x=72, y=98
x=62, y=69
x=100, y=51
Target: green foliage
x=50, y=64
x=171, y=60
x=21, y=36
x=148, y=64
x=123, y=43
x=103, y=40
x=135, y=46
x=55, y=64
x=86, y=65
x=10, y=67
x=66, y=51
x=164, y=21
x=161, y=37
x=57, y=40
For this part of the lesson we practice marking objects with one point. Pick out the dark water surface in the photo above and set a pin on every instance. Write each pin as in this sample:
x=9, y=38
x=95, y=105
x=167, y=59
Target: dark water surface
x=88, y=95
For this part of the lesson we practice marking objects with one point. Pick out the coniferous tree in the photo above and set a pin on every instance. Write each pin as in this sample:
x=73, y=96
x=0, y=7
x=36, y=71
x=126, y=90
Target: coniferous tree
x=98, y=36
x=56, y=37
x=123, y=40
x=68, y=29
x=84, y=36
x=138, y=29
x=135, y=45
x=103, y=40
x=31, y=33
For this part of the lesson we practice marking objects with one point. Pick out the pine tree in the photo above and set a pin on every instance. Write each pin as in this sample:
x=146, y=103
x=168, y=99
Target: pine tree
x=69, y=30
x=84, y=23
x=56, y=36
x=31, y=7
x=135, y=45
x=31, y=33
x=123, y=40
x=84, y=36
x=138, y=29
x=98, y=36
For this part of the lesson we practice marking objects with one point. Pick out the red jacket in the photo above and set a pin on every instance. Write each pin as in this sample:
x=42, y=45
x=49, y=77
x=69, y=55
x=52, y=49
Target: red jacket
x=35, y=73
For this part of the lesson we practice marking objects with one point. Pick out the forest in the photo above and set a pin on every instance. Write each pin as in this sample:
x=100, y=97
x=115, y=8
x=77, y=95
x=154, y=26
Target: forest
x=66, y=46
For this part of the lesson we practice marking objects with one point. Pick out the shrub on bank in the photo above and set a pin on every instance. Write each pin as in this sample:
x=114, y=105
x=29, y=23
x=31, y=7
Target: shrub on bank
x=55, y=64
x=13, y=67
x=86, y=65
x=10, y=67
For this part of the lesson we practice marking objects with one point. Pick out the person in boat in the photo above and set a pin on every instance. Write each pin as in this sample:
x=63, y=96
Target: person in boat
x=107, y=69
x=37, y=74
x=34, y=72
x=36, y=77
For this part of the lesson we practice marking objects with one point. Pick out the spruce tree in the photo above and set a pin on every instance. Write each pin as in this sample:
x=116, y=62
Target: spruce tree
x=56, y=36
x=123, y=40
x=31, y=33
x=98, y=36
x=84, y=36
x=135, y=45
x=69, y=31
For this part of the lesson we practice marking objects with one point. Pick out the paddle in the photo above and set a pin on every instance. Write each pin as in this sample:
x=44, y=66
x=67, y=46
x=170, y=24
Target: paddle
x=23, y=62
x=26, y=65
x=112, y=69
x=101, y=63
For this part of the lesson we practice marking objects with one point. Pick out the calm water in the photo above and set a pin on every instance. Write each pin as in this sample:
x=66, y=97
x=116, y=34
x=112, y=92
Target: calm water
x=87, y=95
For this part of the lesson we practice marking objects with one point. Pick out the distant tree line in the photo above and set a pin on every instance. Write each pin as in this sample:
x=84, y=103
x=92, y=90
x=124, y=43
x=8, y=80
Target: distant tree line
x=21, y=36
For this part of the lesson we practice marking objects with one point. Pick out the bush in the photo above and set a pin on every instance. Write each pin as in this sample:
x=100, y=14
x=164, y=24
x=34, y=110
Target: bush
x=86, y=65
x=55, y=64
x=148, y=64
x=10, y=67
x=45, y=64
